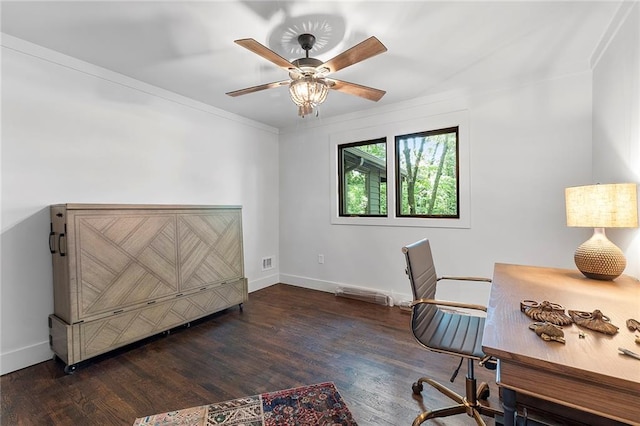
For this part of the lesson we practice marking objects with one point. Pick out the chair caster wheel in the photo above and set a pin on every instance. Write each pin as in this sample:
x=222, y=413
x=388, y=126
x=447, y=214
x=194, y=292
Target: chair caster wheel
x=484, y=391
x=484, y=395
x=416, y=388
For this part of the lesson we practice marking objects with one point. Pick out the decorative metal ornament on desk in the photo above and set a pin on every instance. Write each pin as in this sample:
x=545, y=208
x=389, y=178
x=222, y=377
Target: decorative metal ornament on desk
x=548, y=332
x=633, y=325
x=546, y=312
x=595, y=321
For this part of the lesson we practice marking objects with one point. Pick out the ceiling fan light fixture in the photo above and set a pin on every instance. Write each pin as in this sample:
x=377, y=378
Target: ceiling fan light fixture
x=308, y=86
x=308, y=92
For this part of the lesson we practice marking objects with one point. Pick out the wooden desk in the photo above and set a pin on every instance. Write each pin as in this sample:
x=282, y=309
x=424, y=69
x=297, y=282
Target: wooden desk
x=584, y=373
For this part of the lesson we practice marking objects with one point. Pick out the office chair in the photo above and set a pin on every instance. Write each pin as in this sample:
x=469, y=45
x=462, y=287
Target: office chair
x=446, y=331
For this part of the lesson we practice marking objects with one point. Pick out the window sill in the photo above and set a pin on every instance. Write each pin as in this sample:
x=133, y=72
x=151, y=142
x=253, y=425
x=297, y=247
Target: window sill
x=401, y=222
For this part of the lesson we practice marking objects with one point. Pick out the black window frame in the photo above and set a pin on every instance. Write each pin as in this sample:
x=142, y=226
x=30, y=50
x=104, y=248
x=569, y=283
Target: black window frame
x=398, y=172
x=341, y=176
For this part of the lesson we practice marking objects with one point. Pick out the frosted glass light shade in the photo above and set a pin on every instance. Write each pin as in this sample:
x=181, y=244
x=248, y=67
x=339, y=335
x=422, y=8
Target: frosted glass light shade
x=308, y=90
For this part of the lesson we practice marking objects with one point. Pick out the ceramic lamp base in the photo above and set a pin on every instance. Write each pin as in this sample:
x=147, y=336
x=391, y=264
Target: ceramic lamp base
x=600, y=259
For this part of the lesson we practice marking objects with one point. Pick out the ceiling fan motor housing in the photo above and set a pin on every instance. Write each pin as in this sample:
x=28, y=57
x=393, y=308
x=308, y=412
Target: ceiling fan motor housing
x=308, y=66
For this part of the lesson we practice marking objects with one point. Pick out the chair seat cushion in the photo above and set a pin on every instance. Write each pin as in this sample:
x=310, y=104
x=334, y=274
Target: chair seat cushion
x=453, y=332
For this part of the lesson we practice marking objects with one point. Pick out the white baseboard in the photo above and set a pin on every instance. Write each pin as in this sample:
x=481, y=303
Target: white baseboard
x=310, y=283
x=255, y=285
x=25, y=357
x=330, y=286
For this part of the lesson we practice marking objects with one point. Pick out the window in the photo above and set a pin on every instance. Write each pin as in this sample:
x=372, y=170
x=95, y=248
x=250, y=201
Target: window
x=403, y=171
x=362, y=178
x=427, y=174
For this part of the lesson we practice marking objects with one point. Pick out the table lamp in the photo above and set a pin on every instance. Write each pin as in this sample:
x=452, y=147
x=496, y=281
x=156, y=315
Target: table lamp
x=599, y=207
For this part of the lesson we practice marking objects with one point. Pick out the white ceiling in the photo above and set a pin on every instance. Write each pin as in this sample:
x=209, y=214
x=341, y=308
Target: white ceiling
x=433, y=47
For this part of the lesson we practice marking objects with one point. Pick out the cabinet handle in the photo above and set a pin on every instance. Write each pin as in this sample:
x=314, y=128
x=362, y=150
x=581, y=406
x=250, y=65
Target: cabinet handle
x=60, y=237
x=52, y=240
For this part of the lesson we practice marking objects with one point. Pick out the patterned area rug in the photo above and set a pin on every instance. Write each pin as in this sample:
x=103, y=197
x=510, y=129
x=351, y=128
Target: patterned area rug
x=319, y=404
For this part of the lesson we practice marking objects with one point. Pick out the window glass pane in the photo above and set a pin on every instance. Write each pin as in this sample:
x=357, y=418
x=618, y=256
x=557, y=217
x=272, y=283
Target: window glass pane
x=427, y=174
x=362, y=174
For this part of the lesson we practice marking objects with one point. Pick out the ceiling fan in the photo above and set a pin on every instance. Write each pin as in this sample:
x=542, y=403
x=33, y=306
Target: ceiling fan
x=308, y=82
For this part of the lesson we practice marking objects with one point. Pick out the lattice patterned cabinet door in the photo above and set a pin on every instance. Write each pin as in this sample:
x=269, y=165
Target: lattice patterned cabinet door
x=224, y=296
x=105, y=334
x=125, y=260
x=209, y=248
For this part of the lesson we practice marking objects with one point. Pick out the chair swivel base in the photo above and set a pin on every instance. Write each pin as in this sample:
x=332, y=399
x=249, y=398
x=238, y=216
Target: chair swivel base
x=468, y=405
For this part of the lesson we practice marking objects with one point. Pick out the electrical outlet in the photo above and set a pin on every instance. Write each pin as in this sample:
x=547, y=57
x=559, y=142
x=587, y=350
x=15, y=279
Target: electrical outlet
x=321, y=259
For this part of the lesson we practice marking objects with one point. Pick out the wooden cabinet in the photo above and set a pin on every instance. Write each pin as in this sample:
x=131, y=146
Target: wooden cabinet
x=125, y=272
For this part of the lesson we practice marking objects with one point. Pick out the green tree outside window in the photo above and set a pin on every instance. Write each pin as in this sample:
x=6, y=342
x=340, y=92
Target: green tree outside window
x=427, y=174
x=363, y=178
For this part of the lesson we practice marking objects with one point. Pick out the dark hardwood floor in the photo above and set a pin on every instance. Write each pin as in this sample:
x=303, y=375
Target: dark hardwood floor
x=285, y=337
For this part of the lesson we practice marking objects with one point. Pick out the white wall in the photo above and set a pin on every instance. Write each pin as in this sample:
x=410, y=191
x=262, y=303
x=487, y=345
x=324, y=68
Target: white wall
x=616, y=118
x=72, y=132
x=527, y=144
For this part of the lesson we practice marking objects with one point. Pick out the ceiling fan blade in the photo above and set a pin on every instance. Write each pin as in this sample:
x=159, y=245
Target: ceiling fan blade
x=364, y=50
x=357, y=90
x=258, y=88
x=265, y=52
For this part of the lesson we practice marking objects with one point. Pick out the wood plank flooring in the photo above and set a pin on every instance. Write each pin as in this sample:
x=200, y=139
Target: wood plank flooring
x=285, y=337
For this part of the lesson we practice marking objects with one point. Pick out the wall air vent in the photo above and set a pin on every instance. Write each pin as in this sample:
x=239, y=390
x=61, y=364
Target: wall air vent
x=364, y=295
x=267, y=263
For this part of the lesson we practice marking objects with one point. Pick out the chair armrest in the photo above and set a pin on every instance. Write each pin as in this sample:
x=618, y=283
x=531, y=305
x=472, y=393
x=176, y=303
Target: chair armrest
x=448, y=303
x=447, y=277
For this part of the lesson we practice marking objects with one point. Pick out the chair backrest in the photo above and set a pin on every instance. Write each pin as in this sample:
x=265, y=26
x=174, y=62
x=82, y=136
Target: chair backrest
x=422, y=275
x=437, y=329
